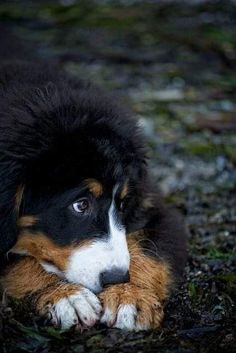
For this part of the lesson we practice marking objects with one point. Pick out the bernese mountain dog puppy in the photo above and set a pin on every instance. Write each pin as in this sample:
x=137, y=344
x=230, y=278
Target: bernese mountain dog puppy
x=92, y=239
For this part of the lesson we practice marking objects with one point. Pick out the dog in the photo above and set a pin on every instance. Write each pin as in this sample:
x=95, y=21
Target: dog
x=92, y=241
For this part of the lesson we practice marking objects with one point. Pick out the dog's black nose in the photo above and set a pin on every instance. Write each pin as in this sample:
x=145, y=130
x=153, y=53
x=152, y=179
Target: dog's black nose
x=114, y=276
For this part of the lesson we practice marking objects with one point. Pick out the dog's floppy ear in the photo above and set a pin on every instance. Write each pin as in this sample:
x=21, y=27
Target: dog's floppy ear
x=9, y=198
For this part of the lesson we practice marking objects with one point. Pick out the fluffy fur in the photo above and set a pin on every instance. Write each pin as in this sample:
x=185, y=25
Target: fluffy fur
x=66, y=145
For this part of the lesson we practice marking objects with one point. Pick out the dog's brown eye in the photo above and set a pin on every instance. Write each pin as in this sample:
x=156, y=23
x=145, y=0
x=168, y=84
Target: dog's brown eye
x=81, y=206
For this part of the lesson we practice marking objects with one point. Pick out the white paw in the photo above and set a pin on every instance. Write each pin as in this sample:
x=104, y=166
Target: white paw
x=125, y=318
x=82, y=309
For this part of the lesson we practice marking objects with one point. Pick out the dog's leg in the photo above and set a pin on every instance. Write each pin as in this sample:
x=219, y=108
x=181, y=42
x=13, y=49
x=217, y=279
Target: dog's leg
x=158, y=254
x=138, y=305
x=65, y=304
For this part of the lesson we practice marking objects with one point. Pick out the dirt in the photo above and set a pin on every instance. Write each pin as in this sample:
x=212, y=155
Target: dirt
x=173, y=63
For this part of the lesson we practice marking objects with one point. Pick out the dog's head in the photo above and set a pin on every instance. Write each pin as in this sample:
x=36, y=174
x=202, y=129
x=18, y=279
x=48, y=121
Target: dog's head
x=74, y=168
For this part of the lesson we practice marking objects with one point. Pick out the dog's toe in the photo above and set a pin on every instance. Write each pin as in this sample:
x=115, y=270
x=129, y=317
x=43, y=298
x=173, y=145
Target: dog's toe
x=87, y=307
x=63, y=314
x=81, y=310
x=130, y=308
x=126, y=317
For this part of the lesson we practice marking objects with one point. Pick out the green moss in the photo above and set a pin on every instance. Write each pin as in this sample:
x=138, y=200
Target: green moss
x=221, y=36
x=228, y=286
x=227, y=277
x=31, y=333
x=227, y=83
x=55, y=332
x=94, y=341
x=193, y=291
x=88, y=13
x=230, y=150
x=201, y=148
x=209, y=149
x=12, y=11
x=219, y=254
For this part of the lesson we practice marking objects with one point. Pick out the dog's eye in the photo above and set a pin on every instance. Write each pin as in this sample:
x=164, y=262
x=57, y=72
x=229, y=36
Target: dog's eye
x=81, y=206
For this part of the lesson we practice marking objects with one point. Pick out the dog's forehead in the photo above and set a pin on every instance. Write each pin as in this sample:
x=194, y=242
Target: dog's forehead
x=96, y=173
x=92, y=153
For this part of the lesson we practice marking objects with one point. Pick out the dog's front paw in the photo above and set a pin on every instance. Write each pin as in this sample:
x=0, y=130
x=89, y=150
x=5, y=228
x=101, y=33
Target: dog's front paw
x=130, y=308
x=71, y=306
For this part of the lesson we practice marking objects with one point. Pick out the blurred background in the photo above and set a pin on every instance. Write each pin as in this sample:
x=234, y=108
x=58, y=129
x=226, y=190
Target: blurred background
x=173, y=63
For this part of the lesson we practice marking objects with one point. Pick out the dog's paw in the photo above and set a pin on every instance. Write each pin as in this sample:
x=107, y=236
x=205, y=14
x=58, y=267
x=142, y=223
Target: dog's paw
x=80, y=308
x=130, y=308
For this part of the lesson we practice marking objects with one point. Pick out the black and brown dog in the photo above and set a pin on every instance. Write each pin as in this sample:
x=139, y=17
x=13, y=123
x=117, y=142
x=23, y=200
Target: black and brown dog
x=95, y=242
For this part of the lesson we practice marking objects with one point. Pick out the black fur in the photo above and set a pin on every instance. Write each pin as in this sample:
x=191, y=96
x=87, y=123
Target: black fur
x=56, y=131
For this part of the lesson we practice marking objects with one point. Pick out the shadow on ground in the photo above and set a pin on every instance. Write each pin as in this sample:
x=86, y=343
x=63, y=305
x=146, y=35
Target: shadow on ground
x=173, y=64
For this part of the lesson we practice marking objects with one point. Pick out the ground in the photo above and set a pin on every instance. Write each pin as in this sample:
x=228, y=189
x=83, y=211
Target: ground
x=173, y=63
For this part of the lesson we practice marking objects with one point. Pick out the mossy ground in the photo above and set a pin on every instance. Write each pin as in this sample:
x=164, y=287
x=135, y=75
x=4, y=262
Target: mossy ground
x=173, y=63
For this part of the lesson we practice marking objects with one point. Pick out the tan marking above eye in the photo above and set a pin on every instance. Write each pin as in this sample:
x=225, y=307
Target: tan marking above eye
x=124, y=191
x=94, y=187
x=26, y=221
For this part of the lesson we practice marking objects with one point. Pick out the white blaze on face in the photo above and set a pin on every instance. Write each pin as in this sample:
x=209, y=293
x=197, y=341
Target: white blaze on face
x=86, y=264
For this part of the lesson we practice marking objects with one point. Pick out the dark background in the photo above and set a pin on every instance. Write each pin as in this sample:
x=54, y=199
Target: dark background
x=173, y=63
